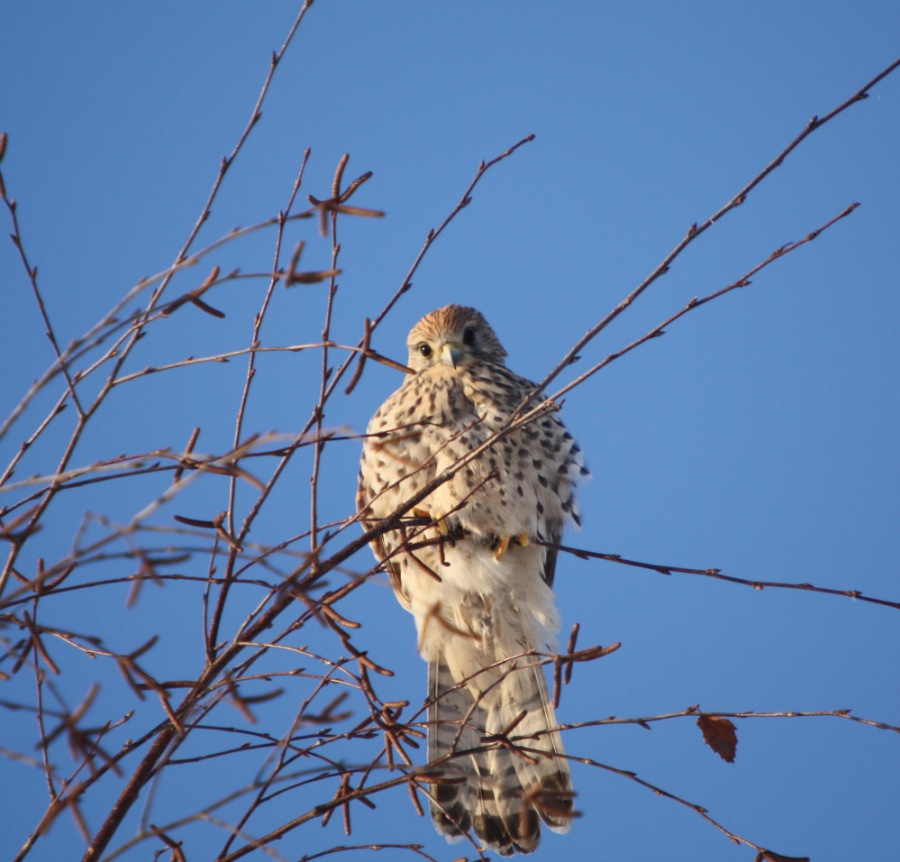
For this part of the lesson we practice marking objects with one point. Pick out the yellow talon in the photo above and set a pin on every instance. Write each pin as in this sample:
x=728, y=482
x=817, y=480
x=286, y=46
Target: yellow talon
x=439, y=520
x=502, y=545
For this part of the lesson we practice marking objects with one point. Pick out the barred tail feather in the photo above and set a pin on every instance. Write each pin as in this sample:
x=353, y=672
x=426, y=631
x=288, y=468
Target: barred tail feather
x=450, y=729
x=498, y=791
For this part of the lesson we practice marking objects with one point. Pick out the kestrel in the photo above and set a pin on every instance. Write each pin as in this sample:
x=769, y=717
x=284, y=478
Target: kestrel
x=474, y=562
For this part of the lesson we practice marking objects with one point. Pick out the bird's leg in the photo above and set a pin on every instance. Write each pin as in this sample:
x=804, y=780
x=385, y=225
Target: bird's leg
x=501, y=544
x=440, y=521
x=500, y=547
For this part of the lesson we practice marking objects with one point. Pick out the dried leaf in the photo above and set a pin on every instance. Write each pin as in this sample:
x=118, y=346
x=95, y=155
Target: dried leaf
x=720, y=735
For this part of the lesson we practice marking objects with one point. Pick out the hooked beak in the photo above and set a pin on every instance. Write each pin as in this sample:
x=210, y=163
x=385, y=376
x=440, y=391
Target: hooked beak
x=451, y=353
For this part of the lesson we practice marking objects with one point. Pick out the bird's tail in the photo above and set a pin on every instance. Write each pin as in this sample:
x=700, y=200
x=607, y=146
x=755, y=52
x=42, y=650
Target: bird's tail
x=505, y=767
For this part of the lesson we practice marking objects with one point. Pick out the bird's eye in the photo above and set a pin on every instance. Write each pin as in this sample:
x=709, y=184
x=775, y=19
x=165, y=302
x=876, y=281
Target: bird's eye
x=425, y=349
x=469, y=336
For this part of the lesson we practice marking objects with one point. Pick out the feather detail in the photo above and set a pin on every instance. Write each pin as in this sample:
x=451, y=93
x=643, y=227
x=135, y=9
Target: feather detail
x=477, y=580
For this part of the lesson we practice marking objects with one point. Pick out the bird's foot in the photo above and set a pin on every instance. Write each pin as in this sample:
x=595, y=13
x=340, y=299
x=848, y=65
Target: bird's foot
x=501, y=544
x=440, y=521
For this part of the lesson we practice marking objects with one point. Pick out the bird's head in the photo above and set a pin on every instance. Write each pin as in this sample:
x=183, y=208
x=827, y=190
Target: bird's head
x=451, y=338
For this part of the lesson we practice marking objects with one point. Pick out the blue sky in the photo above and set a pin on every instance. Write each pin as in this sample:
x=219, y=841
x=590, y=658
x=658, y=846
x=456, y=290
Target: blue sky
x=759, y=435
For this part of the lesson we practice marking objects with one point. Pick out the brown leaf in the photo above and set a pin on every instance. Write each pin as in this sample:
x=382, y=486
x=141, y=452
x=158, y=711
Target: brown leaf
x=720, y=735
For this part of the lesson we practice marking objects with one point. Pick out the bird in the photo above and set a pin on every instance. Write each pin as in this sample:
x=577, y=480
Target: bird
x=473, y=560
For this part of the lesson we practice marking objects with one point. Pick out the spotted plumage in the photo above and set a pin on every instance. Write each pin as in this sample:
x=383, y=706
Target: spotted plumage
x=470, y=563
